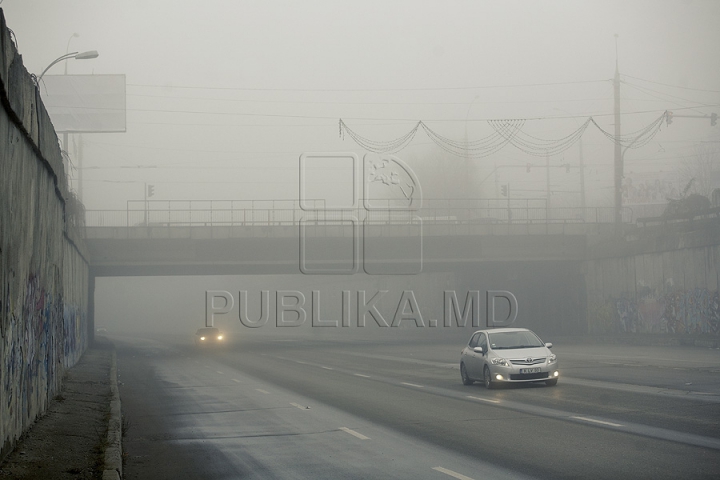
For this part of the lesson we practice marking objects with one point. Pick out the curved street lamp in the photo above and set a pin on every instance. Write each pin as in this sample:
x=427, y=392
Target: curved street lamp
x=67, y=47
x=76, y=55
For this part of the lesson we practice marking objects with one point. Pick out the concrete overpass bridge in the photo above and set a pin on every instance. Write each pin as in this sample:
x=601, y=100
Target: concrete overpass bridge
x=278, y=237
x=566, y=267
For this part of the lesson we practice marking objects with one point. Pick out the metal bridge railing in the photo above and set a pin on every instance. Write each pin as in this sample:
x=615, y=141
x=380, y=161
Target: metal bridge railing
x=282, y=214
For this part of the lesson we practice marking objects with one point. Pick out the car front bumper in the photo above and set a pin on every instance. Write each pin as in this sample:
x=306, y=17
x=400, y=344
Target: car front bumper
x=512, y=373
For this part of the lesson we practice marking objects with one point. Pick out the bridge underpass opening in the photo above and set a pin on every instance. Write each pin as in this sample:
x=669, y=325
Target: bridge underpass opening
x=425, y=307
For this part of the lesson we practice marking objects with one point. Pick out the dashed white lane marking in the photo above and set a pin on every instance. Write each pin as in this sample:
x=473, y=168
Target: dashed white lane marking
x=459, y=476
x=411, y=384
x=326, y=368
x=261, y=390
x=236, y=380
x=597, y=421
x=484, y=399
x=221, y=373
x=354, y=433
x=297, y=405
x=361, y=375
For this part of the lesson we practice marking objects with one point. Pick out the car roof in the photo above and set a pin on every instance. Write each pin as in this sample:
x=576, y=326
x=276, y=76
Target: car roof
x=208, y=329
x=503, y=330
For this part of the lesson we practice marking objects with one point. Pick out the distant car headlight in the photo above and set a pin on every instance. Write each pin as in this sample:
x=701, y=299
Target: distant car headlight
x=202, y=338
x=500, y=361
x=552, y=359
x=219, y=337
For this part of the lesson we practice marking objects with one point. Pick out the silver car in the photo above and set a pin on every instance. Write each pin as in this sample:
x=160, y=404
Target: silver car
x=508, y=355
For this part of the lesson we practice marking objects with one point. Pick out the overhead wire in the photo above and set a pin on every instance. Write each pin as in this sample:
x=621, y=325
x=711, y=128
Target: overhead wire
x=669, y=85
x=404, y=89
x=655, y=93
x=506, y=131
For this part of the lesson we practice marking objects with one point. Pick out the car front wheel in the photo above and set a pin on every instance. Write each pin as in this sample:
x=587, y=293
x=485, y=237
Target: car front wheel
x=463, y=374
x=488, y=378
x=551, y=383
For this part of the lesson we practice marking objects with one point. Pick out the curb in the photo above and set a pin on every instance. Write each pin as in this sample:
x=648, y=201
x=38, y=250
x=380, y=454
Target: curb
x=640, y=339
x=113, y=451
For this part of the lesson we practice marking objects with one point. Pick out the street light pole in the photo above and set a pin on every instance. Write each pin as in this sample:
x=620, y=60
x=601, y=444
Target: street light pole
x=67, y=47
x=66, y=137
x=77, y=56
x=618, y=153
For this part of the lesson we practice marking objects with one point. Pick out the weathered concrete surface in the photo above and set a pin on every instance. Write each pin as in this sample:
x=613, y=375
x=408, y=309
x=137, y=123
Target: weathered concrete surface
x=66, y=442
x=119, y=251
x=43, y=268
x=661, y=279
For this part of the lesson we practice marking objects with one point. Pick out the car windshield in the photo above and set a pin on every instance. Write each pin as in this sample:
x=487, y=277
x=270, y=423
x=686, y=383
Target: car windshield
x=511, y=340
x=208, y=331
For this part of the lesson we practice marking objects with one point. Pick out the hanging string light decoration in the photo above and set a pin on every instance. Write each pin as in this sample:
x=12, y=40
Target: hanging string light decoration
x=505, y=131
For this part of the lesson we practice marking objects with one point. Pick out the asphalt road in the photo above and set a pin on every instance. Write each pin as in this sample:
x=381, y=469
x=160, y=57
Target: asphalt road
x=290, y=408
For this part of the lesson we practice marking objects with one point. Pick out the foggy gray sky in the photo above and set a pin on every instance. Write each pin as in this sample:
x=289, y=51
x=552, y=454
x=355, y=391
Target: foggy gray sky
x=269, y=81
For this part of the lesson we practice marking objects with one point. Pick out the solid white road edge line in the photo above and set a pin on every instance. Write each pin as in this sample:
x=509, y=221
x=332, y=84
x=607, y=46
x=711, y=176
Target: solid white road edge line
x=459, y=476
x=354, y=433
x=484, y=399
x=597, y=421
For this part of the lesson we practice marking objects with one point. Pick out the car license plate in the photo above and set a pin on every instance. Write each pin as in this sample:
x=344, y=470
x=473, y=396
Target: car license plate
x=530, y=370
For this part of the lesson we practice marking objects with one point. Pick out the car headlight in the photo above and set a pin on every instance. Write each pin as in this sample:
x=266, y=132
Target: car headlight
x=552, y=359
x=202, y=338
x=500, y=361
x=219, y=337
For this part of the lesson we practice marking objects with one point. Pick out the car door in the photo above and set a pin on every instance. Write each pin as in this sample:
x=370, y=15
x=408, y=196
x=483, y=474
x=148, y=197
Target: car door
x=473, y=360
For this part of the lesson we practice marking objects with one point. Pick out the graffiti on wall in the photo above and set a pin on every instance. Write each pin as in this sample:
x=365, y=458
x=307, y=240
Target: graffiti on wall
x=41, y=336
x=695, y=311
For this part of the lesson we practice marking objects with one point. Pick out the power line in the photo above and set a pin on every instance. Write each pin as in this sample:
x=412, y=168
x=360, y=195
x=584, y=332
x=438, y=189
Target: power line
x=673, y=86
x=310, y=102
x=334, y=118
x=418, y=89
x=645, y=90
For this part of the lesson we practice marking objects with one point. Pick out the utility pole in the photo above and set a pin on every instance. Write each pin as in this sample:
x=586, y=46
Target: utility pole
x=618, y=153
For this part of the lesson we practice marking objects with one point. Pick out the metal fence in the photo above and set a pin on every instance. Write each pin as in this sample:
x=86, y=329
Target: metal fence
x=288, y=212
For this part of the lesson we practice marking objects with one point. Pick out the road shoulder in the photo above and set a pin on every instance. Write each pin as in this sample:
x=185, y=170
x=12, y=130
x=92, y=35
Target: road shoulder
x=68, y=442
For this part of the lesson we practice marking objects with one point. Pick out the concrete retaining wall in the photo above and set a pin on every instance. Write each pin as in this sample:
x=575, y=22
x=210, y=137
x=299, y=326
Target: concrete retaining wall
x=663, y=281
x=44, y=326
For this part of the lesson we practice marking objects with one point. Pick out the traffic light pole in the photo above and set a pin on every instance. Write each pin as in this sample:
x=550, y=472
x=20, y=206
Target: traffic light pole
x=547, y=186
x=508, y=200
x=146, y=206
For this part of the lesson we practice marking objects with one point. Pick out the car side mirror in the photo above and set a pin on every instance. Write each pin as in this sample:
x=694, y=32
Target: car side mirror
x=548, y=345
x=478, y=350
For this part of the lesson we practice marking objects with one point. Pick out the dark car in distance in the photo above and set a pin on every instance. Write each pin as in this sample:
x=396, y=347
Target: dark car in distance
x=209, y=336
